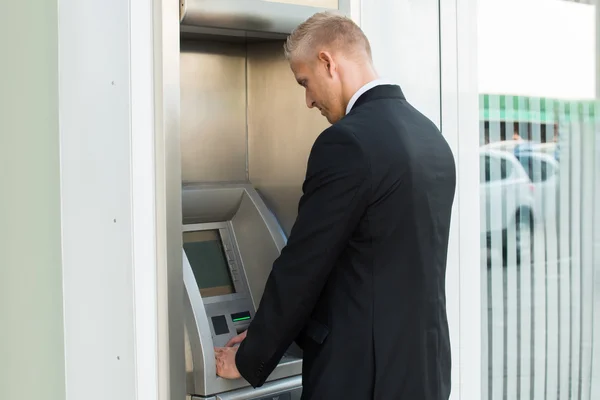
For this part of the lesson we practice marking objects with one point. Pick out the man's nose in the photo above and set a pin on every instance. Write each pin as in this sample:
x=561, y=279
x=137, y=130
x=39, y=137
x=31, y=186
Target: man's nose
x=309, y=102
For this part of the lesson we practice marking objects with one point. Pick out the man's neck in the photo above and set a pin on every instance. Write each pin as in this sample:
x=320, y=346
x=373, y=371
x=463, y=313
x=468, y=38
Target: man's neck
x=365, y=85
x=358, y=82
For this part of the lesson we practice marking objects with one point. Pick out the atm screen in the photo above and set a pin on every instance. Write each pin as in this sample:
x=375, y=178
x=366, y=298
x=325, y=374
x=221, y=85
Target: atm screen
x=205, y=253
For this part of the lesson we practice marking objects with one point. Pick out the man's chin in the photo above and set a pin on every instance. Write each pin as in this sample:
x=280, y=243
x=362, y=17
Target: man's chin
x=332, y=120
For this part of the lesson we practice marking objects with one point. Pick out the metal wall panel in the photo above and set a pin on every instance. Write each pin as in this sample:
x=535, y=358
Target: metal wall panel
x=281, y=130
x=244, y=118
x=247, y=121
x=251, y=17
x=213, y=111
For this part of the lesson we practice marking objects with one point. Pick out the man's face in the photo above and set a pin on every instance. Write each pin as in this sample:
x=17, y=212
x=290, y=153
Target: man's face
x=321, y=83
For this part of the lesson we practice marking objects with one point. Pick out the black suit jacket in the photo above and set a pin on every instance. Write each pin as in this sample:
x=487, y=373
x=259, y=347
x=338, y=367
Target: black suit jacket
x=360, y=285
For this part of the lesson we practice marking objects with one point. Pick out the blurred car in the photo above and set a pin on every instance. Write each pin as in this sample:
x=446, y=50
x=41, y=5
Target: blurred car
x=516, y=146
x=544, y=174
x=503, y=145
x=507, y=201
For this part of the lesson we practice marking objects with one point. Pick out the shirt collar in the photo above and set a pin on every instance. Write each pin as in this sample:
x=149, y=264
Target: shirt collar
x=362, y=90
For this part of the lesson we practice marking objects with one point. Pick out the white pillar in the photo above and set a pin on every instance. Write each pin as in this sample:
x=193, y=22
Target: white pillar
x=595, y=387
x=107, y=170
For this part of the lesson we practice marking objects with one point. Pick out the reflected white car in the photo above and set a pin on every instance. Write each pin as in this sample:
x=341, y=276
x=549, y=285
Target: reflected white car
x=520, y=145
x=507, y=201
x=543, y=171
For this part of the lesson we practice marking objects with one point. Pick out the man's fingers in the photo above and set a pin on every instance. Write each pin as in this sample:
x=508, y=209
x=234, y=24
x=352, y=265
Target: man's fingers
x=219, y=361
x=225, y=362
x=236, y=339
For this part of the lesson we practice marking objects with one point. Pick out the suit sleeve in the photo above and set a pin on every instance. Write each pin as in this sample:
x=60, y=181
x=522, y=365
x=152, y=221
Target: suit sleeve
x=334, y=198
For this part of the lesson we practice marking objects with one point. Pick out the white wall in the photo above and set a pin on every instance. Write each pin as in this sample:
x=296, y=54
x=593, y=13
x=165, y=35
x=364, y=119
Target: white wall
x=31, y=312
x=404, y=38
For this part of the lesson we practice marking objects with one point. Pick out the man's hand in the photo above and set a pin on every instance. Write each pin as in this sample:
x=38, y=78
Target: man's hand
x=236, y=339
x=225, y=360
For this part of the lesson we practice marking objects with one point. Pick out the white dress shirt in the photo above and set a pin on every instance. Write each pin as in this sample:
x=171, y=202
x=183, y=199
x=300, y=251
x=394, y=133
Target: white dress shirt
x=363, y=89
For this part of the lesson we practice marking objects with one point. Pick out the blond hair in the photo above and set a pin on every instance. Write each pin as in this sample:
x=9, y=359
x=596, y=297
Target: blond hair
x=327, y=29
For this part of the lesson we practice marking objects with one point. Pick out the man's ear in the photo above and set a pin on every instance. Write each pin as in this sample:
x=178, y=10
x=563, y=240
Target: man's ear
x=326, y=60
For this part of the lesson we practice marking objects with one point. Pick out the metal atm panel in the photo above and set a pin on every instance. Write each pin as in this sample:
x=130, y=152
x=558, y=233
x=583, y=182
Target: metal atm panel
x=230, y=240
x=251, y=18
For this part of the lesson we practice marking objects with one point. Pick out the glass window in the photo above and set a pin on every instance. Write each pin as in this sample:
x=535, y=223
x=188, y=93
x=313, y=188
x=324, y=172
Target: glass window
x=505, y=168
x=536, y=168
x=539, y=109
x=494, y=168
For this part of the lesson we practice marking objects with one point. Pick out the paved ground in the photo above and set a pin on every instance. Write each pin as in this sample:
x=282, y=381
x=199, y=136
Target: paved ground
x=540, y=319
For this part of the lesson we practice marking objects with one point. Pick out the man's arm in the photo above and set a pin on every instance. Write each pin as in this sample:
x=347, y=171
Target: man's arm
x=335, y=197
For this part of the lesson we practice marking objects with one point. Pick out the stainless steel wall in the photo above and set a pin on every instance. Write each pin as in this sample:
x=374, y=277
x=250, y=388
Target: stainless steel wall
x=213, y=111
x=281, y=130
x=244, y=118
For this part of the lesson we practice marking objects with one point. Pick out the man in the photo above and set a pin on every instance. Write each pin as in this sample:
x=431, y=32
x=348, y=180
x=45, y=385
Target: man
x=360, y=285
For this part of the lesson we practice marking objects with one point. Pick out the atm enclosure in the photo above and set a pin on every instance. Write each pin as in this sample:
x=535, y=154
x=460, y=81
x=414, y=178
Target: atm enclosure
x=245, y=137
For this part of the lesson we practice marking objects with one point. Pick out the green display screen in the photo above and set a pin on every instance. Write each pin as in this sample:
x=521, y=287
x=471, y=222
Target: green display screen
x=204, y=251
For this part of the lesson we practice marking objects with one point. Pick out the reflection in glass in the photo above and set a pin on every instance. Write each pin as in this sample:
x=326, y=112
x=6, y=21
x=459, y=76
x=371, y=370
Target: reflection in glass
x=539, y=205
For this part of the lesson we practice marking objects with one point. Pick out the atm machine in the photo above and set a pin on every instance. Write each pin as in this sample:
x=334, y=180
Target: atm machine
x=230, y=240
x=245, y=134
